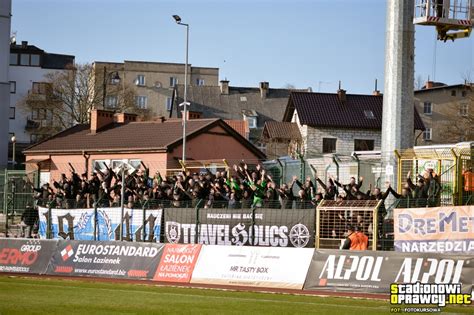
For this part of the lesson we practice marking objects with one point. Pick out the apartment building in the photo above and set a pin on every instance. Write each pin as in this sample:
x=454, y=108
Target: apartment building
x=29, y=66
x=153, y=82
x=446, y=111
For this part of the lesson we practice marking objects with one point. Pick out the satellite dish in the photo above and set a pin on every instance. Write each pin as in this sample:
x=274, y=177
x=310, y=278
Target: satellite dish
x=157, y=84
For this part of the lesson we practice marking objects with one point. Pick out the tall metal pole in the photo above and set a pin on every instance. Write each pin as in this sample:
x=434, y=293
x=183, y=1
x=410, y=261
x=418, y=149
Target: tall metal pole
x=122, y=202
x=185, y=96
x=13, y=153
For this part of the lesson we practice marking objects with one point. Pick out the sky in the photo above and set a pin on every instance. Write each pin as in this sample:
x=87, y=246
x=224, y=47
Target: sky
x=299, y=42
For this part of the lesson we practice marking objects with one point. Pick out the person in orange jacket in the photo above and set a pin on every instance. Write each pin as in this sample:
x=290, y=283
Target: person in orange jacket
x=356, y=240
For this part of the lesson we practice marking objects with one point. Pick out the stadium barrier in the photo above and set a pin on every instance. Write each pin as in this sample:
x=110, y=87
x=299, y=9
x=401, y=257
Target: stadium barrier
x=438, y=230
x=269, y=267
x=375, y=272
x=266, y=267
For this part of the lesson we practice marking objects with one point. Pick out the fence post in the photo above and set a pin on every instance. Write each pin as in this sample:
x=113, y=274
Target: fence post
x=49, y=222
x=95, y=221
x=196, y=229
x=144, y=207
x=252, y=227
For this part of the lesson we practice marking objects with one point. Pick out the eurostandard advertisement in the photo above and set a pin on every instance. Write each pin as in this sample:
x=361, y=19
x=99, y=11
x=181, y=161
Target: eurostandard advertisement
x=269, y=267
x=265, y=227
x=25, y=255
x=106, y=259
x=78, y=224
x=435, y=230
x=378, y=272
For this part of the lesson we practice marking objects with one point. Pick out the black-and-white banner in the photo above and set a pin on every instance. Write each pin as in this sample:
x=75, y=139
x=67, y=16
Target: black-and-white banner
x=263, y=227
x=366, y=271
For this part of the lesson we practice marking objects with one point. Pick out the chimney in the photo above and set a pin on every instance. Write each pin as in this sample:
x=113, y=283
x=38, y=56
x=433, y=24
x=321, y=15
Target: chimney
x=124, y=118
x=264, y=89
x=429, y=84
x=341, y=94
x=192, y=115
x=100, y=118
x=24, y=44
x=224, y=87
x=376, y=91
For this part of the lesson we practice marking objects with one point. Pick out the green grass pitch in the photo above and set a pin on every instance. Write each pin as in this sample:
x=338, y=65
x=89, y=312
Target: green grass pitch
x=23, y=295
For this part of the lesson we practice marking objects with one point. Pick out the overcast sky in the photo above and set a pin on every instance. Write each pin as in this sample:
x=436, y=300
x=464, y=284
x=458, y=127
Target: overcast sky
x=299, y=42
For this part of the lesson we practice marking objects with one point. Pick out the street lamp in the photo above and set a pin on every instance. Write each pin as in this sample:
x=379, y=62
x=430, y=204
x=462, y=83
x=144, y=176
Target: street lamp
x=114, y=79
x=184, y=104
x=13, y=139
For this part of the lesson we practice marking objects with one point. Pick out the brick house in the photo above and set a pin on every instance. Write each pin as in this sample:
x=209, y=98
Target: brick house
x=339, y=122
x=112, y=139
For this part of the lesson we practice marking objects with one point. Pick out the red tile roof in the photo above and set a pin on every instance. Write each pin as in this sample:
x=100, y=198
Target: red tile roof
x=326, y=110
x=133, y=136
x=241, y=126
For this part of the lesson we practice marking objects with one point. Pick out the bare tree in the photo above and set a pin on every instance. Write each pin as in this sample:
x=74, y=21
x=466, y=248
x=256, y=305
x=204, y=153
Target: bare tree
x=419, y=82
x=67, y=97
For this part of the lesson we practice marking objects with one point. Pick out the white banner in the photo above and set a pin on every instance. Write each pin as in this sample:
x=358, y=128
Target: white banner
x=271, y=267
x=78, y=224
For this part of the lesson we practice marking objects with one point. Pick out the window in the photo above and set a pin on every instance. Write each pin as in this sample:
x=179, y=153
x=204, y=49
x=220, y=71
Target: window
x=12, y=87
x=363, y=145
x=453, y=92
x=369, y=114
x=140, y=80
x=12, y=112
x=464, y=109
x=24, y=59
x=38, y=88
x=199, y=82
x=13, y=59
x=116, y=164
x=329, y=145
x=427, y=108
x=141, y=101
x=38, y=114
x=173, y=81
x=251, y=121
x=262, y=147
x=35, y=60
x=111, y=101
x=169, y=102
x=427, y=134
x=49, y=116
x=463, y=93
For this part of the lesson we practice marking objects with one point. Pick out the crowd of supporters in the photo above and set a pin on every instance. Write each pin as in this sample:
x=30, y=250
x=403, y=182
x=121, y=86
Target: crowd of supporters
x=239, y=187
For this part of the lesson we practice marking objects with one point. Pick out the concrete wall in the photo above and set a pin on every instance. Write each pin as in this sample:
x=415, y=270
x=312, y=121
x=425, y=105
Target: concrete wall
x=5, y=25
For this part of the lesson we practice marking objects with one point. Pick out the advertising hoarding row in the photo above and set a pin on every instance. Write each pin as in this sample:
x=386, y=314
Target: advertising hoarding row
x=266, y=267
